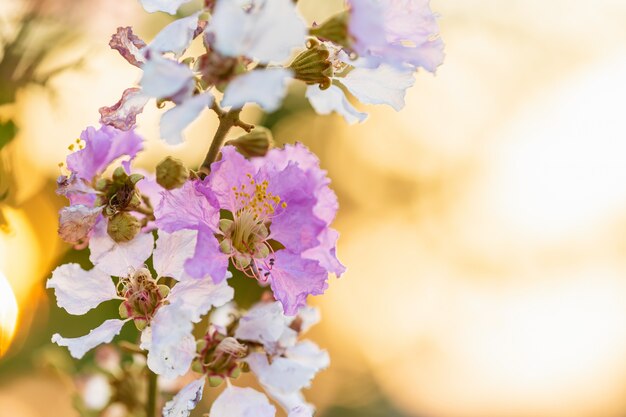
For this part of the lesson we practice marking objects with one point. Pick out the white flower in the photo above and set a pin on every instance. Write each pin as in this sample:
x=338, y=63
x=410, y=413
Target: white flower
x=186, y=400
x=333, y=100
x=176, y=36
x=382, y=85
x=167, y=6
x=78, y=346
x=241, y=402
x=175, y=120
x=264, y=30
x=164, y=77
x=266, y=87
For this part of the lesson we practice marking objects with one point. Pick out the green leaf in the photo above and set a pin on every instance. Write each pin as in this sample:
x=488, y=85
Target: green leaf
x=8, y=130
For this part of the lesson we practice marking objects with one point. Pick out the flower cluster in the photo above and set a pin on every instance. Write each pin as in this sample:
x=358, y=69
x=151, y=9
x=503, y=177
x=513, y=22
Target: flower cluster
x=165, y=246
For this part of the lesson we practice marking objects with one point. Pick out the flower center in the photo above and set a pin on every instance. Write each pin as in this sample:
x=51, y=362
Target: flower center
x=142, y=297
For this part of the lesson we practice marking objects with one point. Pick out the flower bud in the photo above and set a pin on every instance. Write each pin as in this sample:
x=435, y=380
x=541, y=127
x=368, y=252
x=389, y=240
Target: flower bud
x=119, y=175
x=171, y=173
x=255, y=143
x=334, y=29
x=313, y=66
x=123, y=227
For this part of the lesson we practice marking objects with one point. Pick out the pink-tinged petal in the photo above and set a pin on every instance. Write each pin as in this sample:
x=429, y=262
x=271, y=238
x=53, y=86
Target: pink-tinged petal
x=170, y=342
x=76, y=190
x=167, y=6
x=230, y=171
x=165, y=78
x=186, y=208
x=333, y=100
x=383, y=85
x=326, y=252
x=293, y=278
x=102, y=147
x=208, y=259
x=267, y=31
x=148, y=187
x=123, y=114
x=241, y=402
x=264, y=323
x=128, y=45
x=265, y=87
x=186, y=399
x=171, y=252
x=78, y=291
x=176, y=37
x=80, y=345
x=76, y=222
x=118, y=259
x=176, y=119
x=196, y=297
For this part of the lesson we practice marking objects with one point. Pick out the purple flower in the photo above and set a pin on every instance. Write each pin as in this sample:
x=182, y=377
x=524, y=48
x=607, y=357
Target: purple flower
x=397, y=32
x=269, y=217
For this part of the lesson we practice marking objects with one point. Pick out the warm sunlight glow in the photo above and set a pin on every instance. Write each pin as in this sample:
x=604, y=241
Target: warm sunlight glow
x=8, y=314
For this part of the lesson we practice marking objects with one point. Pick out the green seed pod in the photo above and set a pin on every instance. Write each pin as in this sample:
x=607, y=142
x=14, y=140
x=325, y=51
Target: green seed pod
x=255, y=143
x=313, y=66
x=171, y=173
x=334, y=29
x=123, y=227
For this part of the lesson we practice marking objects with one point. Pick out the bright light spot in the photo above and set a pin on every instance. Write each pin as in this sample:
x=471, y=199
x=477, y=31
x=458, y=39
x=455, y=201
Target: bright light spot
x=8, y=314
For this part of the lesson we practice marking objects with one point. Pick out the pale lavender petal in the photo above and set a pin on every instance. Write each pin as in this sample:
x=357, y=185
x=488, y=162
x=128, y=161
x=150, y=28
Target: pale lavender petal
x=118, y=259
x=186, y=208
x=171, y=252
x=263, y=323
x=241, y=402
x=80, y=345
x=208, y=259
x=176, y=119
x=175, y=37
x=102, y=147
x=230, y=171
x=171, y=345
x=148, y=187
x=383, y=85
x=186, y=399
x=196, y=297
x=128, y=45
x=326, y=252
x=308, y=317
x=76, y=190
x=333, y=100
x=167, y=6
x=123, y=114
x=268, y=31
x=78, y=291
x=293, y=278
x=76, y=222
x=265, y=87
x=164, y=77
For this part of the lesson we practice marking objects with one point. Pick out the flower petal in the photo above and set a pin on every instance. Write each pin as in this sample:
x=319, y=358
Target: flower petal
x=186, y=208
x=267, y=31
x=78, y=291
x=265, y=87
x=118, y=259
x=164, y=77
x=171, y=252
x=263, y=323
x=176, y=119
x=128, y=45
x=382, y=85
x=333, y=100
x=102, y=147
x=78, y=346
x=208, y=259
x=241, y=402
x=167, y=6
x=186, y=399
x=326, y=252
x=230, y=171
x=197, y=296
x=123, y=114
x=76, y=222
x=176, y=37
x=293, y=278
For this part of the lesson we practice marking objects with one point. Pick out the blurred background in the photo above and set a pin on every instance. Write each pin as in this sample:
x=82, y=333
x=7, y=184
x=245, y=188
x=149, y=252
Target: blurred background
x=483, y=226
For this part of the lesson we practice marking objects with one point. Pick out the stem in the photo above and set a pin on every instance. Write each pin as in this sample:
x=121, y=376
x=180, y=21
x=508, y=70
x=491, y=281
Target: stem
x=152, y=394
x=227, y=120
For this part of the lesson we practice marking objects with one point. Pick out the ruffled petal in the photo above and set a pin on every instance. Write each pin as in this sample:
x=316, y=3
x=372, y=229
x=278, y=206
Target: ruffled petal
x=102, y=147
x=176, y=37
x=242, y=402
x=230, y=171
x=196, y=297
x=176, y=119
x=171, y=252
x=128, y=45
x=76, y=222
x=208, y=259
x=268, y=31
x=78, y=346
x=78, y=291
x=326, y=252
x=264, y=323
x=186, y=399
x=333, y=100
x=167, y=6
x=383, y=85
x=293, y=278
x=186, y=208
x=118, y=259
x=265, y=87
x=123, y=114
x=164, y=78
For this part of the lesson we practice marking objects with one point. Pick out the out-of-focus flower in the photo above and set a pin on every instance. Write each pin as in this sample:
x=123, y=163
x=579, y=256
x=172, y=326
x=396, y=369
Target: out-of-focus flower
x=242, y=402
